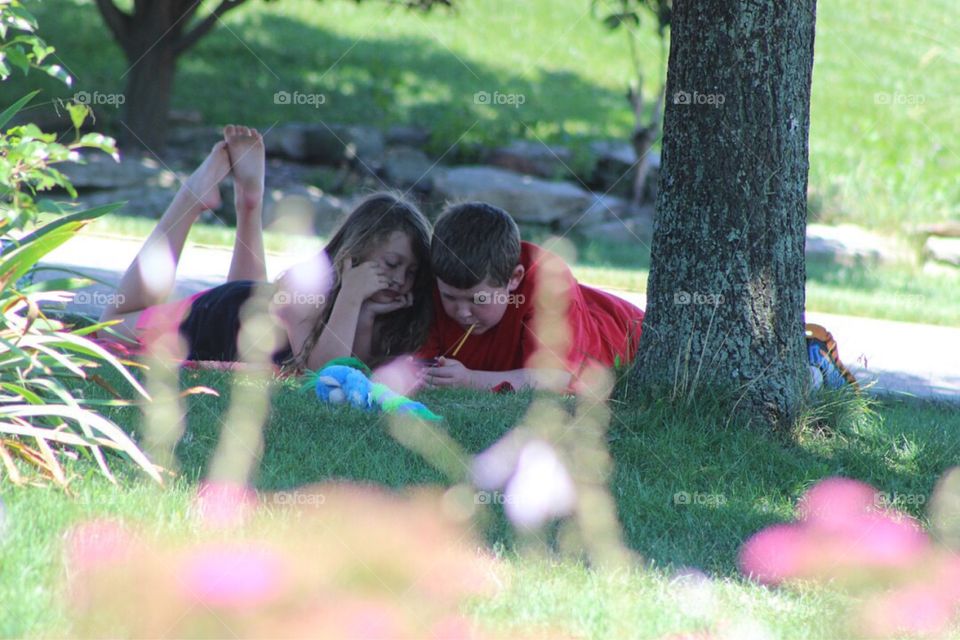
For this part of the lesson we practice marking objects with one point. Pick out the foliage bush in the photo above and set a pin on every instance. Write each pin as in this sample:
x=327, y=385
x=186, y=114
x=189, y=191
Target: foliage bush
x=42, y=417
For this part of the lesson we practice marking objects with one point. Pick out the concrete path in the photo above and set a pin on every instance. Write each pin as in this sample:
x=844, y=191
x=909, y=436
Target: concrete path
x=894, y=357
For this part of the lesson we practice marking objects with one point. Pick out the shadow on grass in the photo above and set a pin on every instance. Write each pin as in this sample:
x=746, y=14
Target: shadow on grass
x=233, y=74
x=691, y=485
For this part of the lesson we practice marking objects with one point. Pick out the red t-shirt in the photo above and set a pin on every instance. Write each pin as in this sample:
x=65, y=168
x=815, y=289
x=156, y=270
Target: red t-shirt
x=602, y=326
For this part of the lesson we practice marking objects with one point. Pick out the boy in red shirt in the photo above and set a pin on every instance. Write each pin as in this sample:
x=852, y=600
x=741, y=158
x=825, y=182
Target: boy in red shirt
x=487, y=279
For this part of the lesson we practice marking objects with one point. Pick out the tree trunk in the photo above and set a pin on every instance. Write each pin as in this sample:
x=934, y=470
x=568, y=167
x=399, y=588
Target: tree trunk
x=725, y=298
x=149, y=85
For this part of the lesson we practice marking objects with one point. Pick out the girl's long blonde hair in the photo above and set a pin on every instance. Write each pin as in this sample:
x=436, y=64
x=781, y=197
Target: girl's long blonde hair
x=369, y=224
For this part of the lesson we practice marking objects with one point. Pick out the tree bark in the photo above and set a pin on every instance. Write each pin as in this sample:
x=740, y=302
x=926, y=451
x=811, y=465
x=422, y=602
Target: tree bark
x=725, y=297
x=152, y=38
x=148, y=93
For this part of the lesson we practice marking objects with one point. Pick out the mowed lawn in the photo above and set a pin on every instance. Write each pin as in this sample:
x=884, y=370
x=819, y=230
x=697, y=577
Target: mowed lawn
x=753, y=478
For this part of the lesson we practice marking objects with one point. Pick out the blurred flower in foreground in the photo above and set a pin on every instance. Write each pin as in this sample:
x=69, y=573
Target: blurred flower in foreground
x=402, y=375
x=224, y=504
x=537, y=487
x=340, y=561
x=840, y=529
x=907, y=584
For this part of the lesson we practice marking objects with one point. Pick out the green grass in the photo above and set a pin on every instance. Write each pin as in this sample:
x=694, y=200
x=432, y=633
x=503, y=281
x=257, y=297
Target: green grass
x=658, y=451
x=881, y=165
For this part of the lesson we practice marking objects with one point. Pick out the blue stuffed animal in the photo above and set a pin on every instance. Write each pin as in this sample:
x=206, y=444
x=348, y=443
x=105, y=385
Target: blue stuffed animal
x=338, y=384
x=348, y=384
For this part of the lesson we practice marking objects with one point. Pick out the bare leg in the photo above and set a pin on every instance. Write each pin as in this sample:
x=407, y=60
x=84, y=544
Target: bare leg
x=245, y=147
x=150, y=277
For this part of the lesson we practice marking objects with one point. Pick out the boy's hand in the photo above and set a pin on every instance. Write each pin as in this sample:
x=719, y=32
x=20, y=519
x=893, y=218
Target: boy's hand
x=449, y=373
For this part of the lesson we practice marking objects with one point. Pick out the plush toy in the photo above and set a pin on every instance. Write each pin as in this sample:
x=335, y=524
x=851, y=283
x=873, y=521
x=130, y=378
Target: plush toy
x=346, y=381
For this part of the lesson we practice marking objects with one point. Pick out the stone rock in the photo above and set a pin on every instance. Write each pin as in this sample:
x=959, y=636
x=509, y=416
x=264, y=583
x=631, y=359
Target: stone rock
x=100, y=171
x=303, y=210
x=354, y=143
x=328, y=145
x=287, y=141
x=408, y=168
x=943, y=249
x=533, y=158
x=616, y=220
x=185, y=116
x=527, y=199
x=189, y=138
x=605, y=208
x=948, y=229
x=628, y=230
x=849, y=243
x=408, y=136
x=613, y=163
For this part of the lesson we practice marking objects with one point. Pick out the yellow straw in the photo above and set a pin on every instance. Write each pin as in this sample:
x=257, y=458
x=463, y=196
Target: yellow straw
x=460, y=344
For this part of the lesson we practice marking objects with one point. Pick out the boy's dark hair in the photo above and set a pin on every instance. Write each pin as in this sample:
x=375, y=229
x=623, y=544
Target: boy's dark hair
x=473, y=241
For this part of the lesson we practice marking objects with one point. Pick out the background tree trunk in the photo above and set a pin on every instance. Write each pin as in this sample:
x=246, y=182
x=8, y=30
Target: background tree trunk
x=148, y=92
x=725, y=303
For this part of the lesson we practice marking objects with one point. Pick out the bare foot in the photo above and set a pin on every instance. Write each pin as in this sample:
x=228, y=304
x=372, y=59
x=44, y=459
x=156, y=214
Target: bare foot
x=245, y=147
x=203, y=185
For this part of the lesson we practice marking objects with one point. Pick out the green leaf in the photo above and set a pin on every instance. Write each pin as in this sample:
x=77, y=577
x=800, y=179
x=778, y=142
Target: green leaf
x=13, y=109
x=86, y=214
x=18, y=59
x=59, y=73
x=23, y=392
x=16, y=263
x=22, y=19
x=78, y=114
x=102, y=142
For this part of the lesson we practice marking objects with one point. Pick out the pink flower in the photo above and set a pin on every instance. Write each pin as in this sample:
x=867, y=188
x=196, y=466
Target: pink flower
x=452, y=628
x=241, y=575
x=774, y=554
x=98, y=543
x=541, y=488
x=831, y=503
x=914, y=609
x=537, y=487
x=882, y=541
x=492, y=468
x=224, y=504
x=400, y=374
x=840, y=532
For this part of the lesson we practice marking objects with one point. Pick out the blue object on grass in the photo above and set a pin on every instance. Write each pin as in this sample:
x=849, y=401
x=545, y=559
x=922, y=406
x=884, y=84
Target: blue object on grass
x=342, y=381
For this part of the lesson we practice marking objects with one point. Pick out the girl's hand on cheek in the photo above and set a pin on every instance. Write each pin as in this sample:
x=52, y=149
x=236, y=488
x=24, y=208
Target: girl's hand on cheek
x=363, y=280
x=379, y=308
